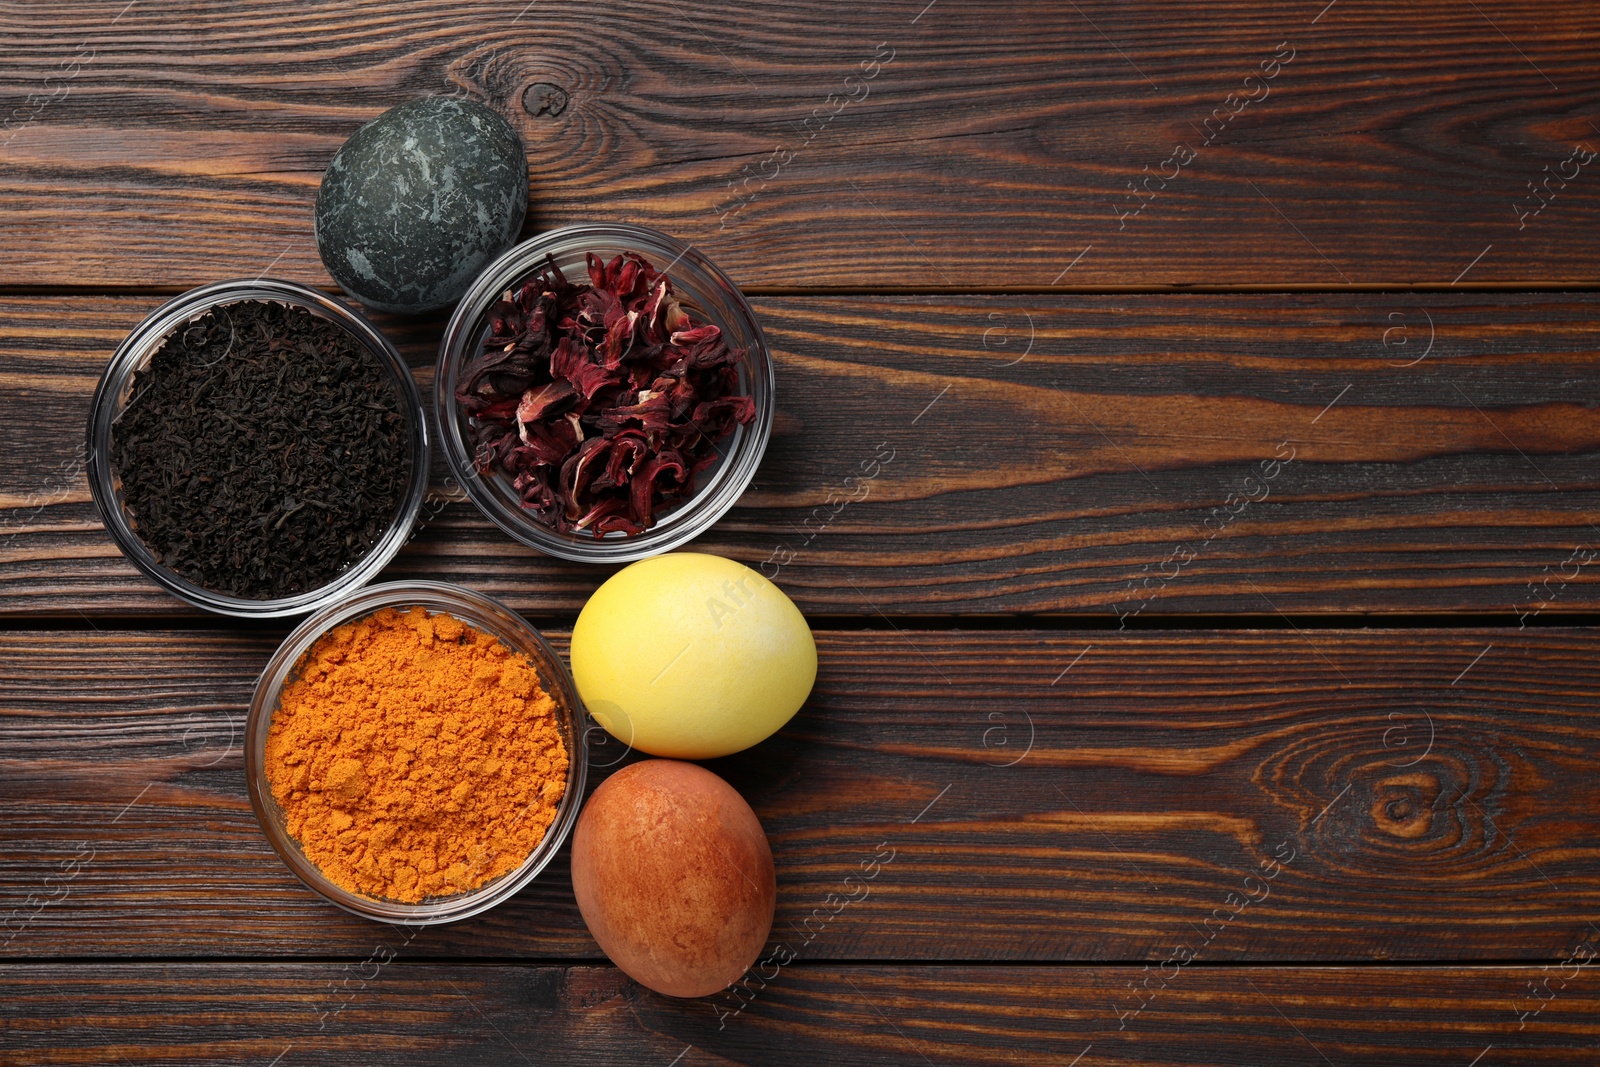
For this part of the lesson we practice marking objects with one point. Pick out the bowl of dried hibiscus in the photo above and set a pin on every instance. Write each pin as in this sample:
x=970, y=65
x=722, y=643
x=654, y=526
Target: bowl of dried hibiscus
x=604, y=393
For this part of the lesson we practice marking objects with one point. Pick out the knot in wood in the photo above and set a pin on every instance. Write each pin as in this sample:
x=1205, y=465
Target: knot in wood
x=1402, y=805
x=542, y=98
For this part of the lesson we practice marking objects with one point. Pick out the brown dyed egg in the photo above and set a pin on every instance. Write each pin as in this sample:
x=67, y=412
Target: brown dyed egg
x=674, y=877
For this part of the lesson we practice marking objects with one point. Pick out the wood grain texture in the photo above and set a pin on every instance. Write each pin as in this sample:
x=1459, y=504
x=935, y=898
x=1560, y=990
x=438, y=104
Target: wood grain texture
x=1395, y=146
x=852, y=1016
x=1260, y=796
x=1100, y=455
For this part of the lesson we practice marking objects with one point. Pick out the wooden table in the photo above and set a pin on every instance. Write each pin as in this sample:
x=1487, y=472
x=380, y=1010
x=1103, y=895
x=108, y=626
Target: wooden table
x=1214, y=656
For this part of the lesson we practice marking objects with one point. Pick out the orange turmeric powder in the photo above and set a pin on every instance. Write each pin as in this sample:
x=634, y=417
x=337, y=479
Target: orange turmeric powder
x=415, y=756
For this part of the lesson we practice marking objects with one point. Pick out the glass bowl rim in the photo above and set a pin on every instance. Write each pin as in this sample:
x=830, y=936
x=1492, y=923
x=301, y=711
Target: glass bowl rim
x=143, y=341
x=694, y=516
x=429, y=595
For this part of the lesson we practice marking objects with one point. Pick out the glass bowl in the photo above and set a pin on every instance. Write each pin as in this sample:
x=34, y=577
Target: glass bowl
x=481, y=613
x=115, y=389
x=701, y=287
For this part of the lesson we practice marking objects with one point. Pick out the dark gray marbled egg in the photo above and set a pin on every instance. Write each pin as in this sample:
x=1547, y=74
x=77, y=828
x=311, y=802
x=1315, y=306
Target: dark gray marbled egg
x=419, y=200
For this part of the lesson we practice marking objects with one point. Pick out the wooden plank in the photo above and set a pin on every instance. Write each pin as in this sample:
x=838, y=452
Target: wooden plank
x=413, y=1013
x=885, y=144
x=1109, y=456
x=1264, y=796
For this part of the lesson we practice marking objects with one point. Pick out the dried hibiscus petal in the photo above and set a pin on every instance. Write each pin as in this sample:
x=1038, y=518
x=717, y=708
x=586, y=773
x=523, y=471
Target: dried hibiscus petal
x=628, y=450
x=601, y=401
x=647, y=485
x=718, y=417
x=651, y=415
x=537, y=403
x=578, y=470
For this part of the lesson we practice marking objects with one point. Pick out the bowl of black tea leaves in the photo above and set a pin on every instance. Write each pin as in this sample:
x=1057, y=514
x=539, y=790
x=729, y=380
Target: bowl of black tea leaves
x=258, y=448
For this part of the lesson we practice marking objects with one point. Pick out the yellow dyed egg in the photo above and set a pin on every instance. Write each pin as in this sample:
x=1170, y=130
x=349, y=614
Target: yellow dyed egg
x=692, y=656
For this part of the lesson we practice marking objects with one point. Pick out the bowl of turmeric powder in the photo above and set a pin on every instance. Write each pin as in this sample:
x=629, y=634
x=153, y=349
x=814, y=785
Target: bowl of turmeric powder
x=414, y=753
